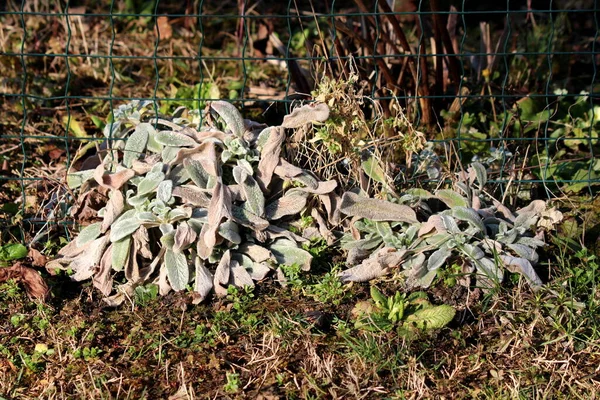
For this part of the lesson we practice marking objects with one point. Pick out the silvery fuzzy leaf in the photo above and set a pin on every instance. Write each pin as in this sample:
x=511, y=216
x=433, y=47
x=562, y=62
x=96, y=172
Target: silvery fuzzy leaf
x=196, y=172
x=508, y=237
x=114, y=208
x=169, y=154
x=423, y=281
x=229, y=230
x=184, y=237
x=164, y=191
x=376, y=210
x=120, y=253
x=179, y=213
x=415, y=262
x=363, y=244
x=451, y=198
x=166, y=228
x=491, y=246
x=257, y=253
x=259, y=271
x=239, y=276
x=88, y=233
x=137, y=201
x=263, y=137
x=287, y=253
x=76, y=179
x=315, y=112
x=490, y=269
x=204, y=281
x=531, y=242
x=167, y=239
x=449, y=223
x=223, y=274
x=522, y=266
x=438, y=258
x=255, y=199
x=232, y=117
x=420, y=193
x=147, y=217
x=473, y=252
x=469, y=215
x=384, y=230
x=178, y=270
x=136, y=143
x=124, y=226
x=481, y=173
x=526, y=220
x=174, y=139
x=246, y=218
x=150, y=182
x=243, y=163
x=179, y=175
x=525, y=252
x=290, y=204
x=193, y=195
x=438, y=239
x=463, y=187
x=153, y=145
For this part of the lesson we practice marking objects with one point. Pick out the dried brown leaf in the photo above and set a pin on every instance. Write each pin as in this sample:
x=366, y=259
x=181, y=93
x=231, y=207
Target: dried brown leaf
x=269, y=157
x=34, y=285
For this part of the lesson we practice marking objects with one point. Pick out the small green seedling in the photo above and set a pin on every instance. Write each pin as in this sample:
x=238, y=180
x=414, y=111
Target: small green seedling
x=403, y=312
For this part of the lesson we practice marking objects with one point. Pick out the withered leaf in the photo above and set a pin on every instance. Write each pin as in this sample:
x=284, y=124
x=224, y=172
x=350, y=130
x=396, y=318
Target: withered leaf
x=34, y=285
x=316, y=112
x=269, y=157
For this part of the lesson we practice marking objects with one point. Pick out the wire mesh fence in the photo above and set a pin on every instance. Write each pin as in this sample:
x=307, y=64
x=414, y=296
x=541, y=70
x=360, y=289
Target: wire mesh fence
x=513, y=86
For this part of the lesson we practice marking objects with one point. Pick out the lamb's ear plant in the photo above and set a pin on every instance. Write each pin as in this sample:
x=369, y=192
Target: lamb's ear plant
x=471, y=227
x=201, y=200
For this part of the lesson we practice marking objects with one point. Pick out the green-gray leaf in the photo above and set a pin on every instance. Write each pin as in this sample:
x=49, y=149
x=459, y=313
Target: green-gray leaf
x=178, y=270
x=230, y=114
x=89, y=233
x=469, y=215
x=287, y=254
x=120, y=252
x=136, y=143
x=451, y=198
x=174, y=139
x=376, y=210
x=438, y=258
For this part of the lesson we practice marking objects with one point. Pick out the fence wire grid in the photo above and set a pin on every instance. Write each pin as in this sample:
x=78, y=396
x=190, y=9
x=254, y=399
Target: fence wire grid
x=514, y=86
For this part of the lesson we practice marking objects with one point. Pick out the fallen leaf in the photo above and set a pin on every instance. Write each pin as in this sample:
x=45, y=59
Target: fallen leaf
x=165, y=31
x=34, y=285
